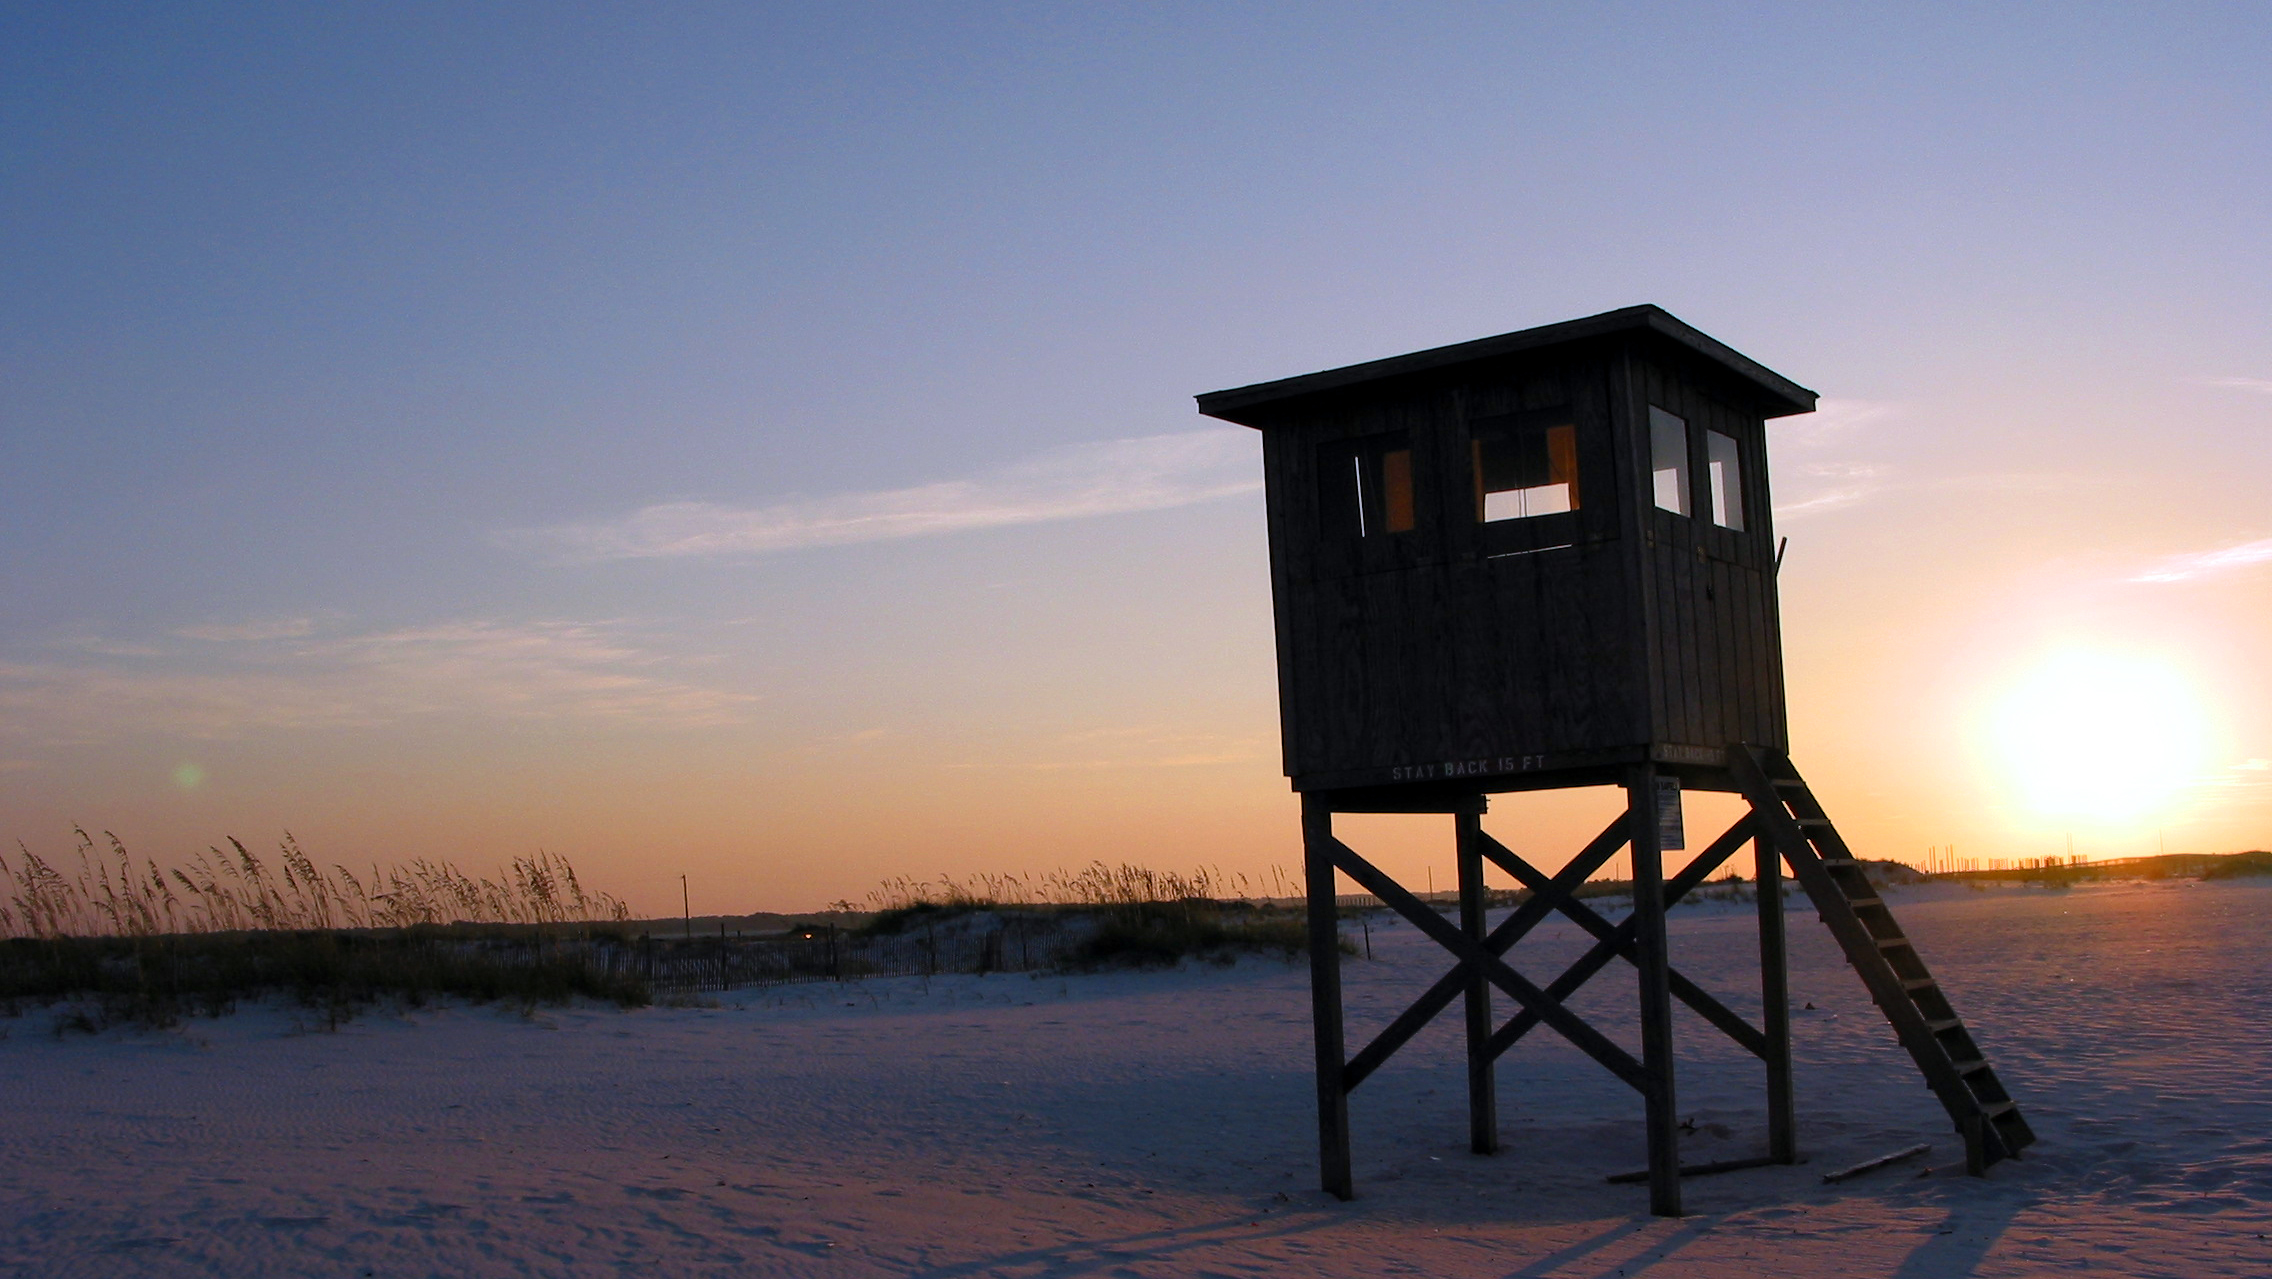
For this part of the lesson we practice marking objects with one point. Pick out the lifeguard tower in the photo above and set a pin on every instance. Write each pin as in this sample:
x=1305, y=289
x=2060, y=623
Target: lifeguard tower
x=1541, y=560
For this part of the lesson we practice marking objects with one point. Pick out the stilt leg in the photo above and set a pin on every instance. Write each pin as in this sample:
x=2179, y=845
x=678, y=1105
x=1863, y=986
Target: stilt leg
x=1656, y=991
x=1482, y=1093
x=1775, y=1004
x=1325, y=1001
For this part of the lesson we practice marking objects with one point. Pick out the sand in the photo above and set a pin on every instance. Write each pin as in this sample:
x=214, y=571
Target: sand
x=1156, y=1124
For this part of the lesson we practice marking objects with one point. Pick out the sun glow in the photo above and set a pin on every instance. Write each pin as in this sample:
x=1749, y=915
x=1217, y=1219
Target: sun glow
x=2099, y=735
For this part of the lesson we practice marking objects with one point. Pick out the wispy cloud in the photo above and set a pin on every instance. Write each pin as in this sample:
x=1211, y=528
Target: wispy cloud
x=2262, y=386
x=2249, y=782
x=251, y=632
x=270, y=677
x=2018, y=481
x=2198, y=564
x=1829, y=486
x=1148, y=473
x=1832, y=417
x=1812, y=442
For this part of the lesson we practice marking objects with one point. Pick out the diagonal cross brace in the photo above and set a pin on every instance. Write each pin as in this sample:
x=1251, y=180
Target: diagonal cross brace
x=1512, y=929
x=1592, y=1042
x=1618, y=939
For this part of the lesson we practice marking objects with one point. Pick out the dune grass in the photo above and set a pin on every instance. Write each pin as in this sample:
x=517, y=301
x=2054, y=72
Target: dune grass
x=1094, y=885
x=156, y=981
x=2254, y=862
x=112, y=894
x=1132, y=915
x=1166, y=933
x=128, y=941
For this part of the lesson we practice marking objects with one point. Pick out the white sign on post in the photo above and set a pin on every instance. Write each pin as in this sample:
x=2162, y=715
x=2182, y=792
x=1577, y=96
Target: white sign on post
x=1669, y=832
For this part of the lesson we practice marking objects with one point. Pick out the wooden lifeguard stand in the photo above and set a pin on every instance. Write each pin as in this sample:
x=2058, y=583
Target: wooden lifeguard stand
x=1542, y=560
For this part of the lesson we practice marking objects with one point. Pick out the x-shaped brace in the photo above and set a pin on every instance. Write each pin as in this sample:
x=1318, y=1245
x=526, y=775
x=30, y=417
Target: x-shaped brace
x=1548, y=895
x=1499, y=941
x=1618, y=939
x=1476, y=955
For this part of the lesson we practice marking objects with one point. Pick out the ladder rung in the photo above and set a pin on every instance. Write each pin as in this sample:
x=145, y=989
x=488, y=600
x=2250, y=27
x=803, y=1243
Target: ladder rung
x=1808, y=837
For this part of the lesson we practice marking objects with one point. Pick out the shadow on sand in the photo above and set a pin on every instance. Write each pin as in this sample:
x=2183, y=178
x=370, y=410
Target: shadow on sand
x=1964, y=1239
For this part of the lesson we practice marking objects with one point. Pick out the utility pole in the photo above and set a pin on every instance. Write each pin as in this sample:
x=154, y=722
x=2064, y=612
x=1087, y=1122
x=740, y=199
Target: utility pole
x=686, y=907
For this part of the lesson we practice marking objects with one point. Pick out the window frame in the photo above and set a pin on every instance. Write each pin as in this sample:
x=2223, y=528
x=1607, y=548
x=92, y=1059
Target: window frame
x=1684, y=484
x=1707, y=415
x=1342, y=486
x=1552, y=530
x=1738, y=500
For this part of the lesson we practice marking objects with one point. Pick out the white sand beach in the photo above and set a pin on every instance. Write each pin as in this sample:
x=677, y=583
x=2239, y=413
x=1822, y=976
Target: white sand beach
x=1161, y=1124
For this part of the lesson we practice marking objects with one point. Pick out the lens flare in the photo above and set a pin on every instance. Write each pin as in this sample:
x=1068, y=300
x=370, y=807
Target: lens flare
x=2104, y=736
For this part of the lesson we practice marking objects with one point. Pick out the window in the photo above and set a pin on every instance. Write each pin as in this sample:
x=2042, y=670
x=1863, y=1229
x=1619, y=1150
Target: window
x=1366, y=485
x=1523, y=471
x=1723, y=473
x=1388, y=498
x=1668, y=459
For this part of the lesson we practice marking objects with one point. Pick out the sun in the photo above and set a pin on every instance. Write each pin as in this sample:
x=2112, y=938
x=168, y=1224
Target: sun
x=2100, y=735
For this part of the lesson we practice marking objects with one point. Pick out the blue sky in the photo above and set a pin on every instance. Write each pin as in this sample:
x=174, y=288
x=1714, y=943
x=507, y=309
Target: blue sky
x=760, y=439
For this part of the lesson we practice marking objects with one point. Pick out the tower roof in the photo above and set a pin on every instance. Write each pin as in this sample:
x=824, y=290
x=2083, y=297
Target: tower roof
x=1778, y=396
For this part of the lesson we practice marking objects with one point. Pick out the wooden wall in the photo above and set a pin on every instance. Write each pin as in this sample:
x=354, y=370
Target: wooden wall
x=1716, y=637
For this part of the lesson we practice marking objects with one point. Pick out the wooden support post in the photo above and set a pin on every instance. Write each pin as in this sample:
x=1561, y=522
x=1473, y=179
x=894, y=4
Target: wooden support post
x=1974, y=1130
x=1325, y=999
x=1775, y=1005
x=1482, y=1090
x=1656, y=991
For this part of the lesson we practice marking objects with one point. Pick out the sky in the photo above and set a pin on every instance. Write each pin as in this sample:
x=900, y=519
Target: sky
x=755, y=443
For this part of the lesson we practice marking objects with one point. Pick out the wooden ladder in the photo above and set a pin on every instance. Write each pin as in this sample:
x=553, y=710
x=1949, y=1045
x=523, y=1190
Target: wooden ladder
x=1954, y=1067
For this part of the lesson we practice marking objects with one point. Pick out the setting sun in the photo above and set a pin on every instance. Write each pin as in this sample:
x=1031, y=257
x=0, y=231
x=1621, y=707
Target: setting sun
x=2100, y=735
